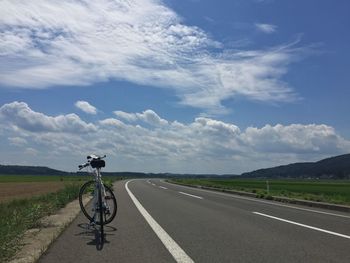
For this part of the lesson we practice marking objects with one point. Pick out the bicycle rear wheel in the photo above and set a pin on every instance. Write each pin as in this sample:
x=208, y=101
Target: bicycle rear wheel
x=108, y=200
x=100, y=213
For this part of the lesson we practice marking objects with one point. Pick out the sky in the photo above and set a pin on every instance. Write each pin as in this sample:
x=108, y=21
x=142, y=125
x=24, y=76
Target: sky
x=179, y=86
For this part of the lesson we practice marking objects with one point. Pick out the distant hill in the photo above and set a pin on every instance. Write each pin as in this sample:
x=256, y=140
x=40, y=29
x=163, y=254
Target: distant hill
x=40, y=170
x=337, y=167
x=160, y=175
x=29, y=170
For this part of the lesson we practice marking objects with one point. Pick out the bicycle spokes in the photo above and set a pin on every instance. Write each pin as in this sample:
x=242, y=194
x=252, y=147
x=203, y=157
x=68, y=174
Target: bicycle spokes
x=91, y=210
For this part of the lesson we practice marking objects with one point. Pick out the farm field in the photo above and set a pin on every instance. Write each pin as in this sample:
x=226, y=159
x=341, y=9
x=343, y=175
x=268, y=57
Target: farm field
x=40, y=178
x=11, y=191
x=25, y=186
x=332, y=191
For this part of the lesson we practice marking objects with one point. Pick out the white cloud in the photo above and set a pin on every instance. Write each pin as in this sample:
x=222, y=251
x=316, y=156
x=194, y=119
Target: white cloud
x=18, y=141
x=266, y=28
x=126, y=116
x=49, y=43
x=205, y=145
x=148, y=116
x=112, y=122
x=31, y=151
x=86, y=107
x=21, y=116
x=295, y=138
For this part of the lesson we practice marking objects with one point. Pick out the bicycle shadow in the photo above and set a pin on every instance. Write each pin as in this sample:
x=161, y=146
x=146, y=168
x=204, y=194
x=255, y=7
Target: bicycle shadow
x=94, y=234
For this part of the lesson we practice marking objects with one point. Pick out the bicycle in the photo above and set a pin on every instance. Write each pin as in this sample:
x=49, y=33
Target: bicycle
x=103, y=208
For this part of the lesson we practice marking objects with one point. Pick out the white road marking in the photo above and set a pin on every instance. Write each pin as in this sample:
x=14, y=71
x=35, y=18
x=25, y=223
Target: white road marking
x=175, y=250
x=163, y=187
x=303, y=225
x=153, y=184
x=262, y=201
x=148, y=181
x=195, y=196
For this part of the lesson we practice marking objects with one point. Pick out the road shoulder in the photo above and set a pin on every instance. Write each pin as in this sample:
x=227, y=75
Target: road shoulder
x=37, y=240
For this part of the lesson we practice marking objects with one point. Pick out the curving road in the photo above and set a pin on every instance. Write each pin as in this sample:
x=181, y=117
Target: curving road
x=162, y=222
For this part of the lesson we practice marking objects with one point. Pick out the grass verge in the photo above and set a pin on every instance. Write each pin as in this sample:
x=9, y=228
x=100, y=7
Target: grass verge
x=20, y=215
x=336, y=192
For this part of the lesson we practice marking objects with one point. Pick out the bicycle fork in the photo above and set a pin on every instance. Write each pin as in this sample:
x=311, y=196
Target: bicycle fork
x=96, y=208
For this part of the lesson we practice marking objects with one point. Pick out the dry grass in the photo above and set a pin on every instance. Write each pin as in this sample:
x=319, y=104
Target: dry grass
x=12, y=190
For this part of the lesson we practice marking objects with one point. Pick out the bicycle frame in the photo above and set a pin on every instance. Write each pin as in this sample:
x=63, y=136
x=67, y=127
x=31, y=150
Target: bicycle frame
x=98, y=185
x=103, y=208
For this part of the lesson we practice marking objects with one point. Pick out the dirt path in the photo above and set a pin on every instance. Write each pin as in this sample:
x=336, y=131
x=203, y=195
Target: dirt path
x=10, y=191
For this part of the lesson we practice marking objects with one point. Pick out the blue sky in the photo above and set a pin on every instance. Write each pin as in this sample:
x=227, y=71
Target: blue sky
x=174, y=86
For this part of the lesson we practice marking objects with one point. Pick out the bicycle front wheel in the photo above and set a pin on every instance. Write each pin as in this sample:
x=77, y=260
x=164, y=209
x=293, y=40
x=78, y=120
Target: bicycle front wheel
x=100, y=212
x=108, y=200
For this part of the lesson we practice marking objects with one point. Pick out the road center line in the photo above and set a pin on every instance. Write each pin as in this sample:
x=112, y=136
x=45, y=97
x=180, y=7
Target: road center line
x=262, y=201
x=175, y=250
x=303, y=225
x=163, y=187
x=195, y=196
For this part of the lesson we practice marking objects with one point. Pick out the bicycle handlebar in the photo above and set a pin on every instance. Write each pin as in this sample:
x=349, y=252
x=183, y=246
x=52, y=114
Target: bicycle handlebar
x=90, y=158
x=81, y=166
x=97, y=157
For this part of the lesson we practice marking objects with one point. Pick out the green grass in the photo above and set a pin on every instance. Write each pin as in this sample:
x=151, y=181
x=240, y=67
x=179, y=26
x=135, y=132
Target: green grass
x=337, y=192
x=19, y=215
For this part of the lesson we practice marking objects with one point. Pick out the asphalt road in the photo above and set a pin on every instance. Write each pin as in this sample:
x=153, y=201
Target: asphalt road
x=193, y=225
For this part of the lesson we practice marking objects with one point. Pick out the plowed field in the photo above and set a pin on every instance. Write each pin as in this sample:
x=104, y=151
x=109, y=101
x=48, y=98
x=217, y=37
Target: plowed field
x=10, y=191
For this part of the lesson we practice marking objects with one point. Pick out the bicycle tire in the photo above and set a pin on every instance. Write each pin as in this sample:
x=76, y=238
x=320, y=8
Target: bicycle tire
x=109, y=194
x=101, y=213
